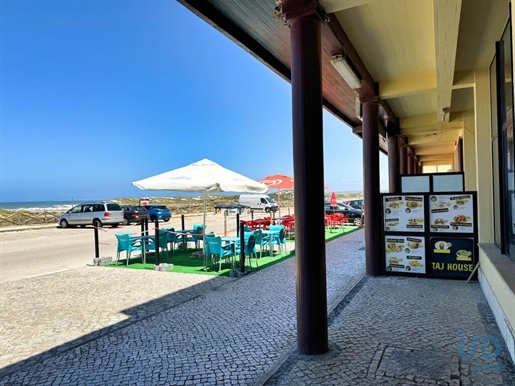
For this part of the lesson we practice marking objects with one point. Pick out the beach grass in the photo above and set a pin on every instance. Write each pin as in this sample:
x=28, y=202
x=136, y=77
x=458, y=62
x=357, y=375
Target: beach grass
x=186, y=261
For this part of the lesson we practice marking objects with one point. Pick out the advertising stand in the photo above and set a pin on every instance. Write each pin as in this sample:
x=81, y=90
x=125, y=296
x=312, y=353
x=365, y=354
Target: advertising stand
x=430, y=234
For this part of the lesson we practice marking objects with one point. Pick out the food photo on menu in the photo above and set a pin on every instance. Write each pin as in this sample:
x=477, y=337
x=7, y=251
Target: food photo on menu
x=391, y=224
x=452, y=213
x=404, y=213
x=405, y=254
x=414, y=204
x=392, y=204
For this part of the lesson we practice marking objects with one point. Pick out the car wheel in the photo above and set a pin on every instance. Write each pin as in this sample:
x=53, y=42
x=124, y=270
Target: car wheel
x=63, y=224
x=114, y=225
x=126, y=221
x=166, y=219
x=97, y=223
x=153, y=218
x=357, y=221
x=267, y=210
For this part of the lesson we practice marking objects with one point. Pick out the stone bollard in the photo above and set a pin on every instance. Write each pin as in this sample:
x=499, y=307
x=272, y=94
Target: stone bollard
x=163, y=267
x=102, y=261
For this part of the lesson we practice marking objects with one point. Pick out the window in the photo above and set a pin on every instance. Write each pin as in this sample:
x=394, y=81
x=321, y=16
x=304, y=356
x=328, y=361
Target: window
x=503, y=147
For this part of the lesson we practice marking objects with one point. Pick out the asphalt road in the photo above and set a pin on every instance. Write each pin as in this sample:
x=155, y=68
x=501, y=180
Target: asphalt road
x=41, y=251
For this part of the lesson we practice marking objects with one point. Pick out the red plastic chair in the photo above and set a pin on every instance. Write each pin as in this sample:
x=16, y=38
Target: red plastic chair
x=259, y=223
x=289, y=228
x=337, y=220
x=251, y=224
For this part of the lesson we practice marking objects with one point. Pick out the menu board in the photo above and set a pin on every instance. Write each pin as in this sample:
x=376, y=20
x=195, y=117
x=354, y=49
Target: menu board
x=405, y=254
x=452, y=256
x=404, y=213
x=451, y=213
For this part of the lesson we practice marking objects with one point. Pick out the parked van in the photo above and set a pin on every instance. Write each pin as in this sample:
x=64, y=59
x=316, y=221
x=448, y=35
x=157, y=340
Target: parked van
x=97, y=214
x=259, y=202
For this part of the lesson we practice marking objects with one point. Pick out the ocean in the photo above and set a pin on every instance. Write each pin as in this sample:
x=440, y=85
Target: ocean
x=38, y=205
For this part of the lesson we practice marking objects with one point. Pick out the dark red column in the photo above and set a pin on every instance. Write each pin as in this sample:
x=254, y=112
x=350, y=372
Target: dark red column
x=371, y=183
x=403, y=159
x=308, y=166
x=394, y=179
x=410, y=161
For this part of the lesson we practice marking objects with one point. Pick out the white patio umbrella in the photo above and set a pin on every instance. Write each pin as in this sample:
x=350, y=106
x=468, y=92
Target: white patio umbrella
x=203, y=176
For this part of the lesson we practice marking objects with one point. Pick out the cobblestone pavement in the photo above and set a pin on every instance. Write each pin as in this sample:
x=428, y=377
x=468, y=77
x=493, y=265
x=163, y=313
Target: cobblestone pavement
x=407, y=331
x=174, y=329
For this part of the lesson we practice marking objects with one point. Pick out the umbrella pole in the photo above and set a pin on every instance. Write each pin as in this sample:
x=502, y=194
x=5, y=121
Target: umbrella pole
x=279, y=201
x=205, y=194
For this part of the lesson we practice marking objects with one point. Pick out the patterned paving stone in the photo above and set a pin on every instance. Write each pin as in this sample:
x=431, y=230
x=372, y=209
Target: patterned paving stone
x=382, y=331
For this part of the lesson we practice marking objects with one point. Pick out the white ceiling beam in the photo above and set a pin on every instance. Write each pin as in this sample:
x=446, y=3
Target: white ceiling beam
x=431, y=149
x=427, y=129
x=407, y=87
x=436, y=157
x=438, y=163
x=446, y=24
x=433, y=138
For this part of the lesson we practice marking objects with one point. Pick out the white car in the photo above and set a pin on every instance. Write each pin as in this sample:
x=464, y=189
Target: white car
x=97, y=214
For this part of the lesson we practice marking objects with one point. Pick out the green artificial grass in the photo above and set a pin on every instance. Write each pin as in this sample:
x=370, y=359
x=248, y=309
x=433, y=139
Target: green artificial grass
x=339, y=232
x=184, y=262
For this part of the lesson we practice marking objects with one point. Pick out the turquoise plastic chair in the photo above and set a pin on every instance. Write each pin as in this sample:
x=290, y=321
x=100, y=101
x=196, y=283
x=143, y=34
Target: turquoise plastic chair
x=197, y=236
x=279, y=239
x=205, y=250
x=249, y=249
x=258, y=236
x=125, y=244
x=213, y=247
x=163, y=243
x=172, y=238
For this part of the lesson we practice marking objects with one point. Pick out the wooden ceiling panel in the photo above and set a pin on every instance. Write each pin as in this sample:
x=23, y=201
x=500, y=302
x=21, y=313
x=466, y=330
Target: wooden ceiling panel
x=410, y=50
x=393, y=38
x=481, y=23
x=442, y=158
x=413, y=105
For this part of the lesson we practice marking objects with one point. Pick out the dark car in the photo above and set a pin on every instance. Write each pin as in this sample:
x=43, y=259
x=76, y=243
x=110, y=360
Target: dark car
x=353, y=213
x=160, y=212
x=356, y=204
x=134, y=214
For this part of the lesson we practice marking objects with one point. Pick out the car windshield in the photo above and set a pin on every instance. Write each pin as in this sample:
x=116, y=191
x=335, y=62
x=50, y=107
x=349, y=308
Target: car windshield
x=270, y=200
x=140, y=208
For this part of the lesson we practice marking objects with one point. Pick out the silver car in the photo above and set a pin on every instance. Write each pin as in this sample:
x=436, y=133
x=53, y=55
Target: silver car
x=97, y=214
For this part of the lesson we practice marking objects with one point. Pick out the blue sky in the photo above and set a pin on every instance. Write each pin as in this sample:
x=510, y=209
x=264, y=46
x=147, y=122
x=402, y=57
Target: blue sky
x=97, y=94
